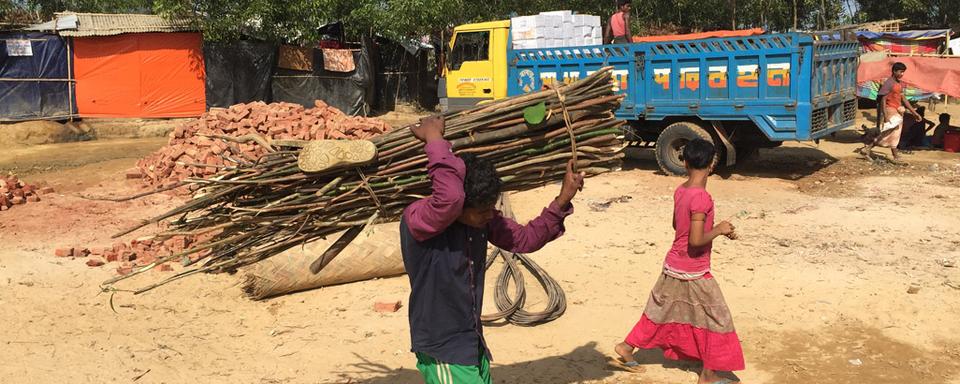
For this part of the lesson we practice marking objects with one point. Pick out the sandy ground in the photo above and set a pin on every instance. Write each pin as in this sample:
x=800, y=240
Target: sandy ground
x=817, y=283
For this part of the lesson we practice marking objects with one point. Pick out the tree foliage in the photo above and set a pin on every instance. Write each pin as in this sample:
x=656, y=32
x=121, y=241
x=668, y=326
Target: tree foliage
x=292, y=20
x=398, y=18
x=921, y=13
x=46, y=8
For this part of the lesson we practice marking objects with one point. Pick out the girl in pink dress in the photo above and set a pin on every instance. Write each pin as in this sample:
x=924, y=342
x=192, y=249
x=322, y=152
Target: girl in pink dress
x=686, y=315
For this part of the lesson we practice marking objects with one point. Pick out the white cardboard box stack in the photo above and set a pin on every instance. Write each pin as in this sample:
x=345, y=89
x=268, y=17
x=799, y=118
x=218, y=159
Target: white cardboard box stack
x=554, y=30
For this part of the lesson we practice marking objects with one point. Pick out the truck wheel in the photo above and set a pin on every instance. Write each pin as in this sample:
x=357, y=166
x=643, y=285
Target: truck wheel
x=671, y=142
x=747, y=153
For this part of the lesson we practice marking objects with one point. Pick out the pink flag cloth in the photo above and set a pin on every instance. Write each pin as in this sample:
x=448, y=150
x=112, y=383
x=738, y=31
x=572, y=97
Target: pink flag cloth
x=931, y=74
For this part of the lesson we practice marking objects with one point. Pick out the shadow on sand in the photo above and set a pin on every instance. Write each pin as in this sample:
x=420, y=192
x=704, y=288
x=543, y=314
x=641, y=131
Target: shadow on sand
x=787, y=163
x=585, y=363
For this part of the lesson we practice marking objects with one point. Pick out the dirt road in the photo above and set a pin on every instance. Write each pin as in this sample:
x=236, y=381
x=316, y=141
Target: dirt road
x=817, y=284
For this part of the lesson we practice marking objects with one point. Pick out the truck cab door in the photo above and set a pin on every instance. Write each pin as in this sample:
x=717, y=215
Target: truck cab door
x=469, y=73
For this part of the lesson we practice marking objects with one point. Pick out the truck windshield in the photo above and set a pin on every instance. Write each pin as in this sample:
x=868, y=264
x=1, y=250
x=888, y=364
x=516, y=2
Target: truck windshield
x=470, y=46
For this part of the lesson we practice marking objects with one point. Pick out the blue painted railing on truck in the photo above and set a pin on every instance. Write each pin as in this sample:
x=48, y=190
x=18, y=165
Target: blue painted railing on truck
x=790, y=86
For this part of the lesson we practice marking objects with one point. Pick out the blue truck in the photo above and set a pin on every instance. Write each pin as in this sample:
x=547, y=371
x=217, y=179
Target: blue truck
x=741, y=93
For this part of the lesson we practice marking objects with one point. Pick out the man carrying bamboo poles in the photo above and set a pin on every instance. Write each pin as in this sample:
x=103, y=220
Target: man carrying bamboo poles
x=444, y=238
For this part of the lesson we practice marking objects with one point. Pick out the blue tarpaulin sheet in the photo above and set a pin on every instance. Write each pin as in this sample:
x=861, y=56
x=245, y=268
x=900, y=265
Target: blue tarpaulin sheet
x=34, y=82
x=902, y=35
x=905, y=35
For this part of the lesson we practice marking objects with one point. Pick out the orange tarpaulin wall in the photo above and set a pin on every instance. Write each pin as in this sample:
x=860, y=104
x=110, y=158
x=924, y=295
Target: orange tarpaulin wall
x=140, y=75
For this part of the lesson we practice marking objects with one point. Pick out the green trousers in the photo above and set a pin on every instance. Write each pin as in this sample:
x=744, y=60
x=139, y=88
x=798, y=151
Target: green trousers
x=438, y=372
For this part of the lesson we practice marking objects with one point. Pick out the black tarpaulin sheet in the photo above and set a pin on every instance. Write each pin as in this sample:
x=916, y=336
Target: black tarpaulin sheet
x=350, y=92
x=36, y=86
x=405, y=74
x=239, y=72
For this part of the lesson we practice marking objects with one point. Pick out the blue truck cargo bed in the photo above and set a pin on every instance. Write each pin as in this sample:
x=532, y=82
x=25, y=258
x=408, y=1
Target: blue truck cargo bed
x=789, y=86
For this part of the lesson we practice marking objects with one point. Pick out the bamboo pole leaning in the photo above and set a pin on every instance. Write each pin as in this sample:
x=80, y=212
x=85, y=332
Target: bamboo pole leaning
x=259, y=208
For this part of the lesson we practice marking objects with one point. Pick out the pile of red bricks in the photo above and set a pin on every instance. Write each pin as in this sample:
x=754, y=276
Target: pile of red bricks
x=133, y=255
x=14, y=191
x=192, y=152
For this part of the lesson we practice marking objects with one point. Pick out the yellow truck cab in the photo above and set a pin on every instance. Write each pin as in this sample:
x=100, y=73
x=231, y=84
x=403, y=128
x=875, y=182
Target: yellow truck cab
x=476, y=69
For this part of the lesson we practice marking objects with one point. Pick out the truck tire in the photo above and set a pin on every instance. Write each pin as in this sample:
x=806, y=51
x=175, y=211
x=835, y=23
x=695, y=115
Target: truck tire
x=670, y=145
x=747, y=153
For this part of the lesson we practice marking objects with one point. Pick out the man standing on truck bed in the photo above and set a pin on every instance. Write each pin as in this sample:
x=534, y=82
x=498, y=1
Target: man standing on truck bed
x=618, y=29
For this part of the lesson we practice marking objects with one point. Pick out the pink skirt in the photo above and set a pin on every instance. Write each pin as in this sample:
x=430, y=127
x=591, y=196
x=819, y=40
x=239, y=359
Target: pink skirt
x=689, y=320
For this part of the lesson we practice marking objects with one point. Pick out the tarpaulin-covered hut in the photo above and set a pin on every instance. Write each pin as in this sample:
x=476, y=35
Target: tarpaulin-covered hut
x=239, y=71
x=136, y=66
x=919, y=47
x=904, y=42
x=343, y=78
x=36, y=80
x=406, y=71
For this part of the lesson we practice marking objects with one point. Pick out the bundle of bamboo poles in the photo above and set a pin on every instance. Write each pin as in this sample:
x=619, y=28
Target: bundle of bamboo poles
x=256, y=210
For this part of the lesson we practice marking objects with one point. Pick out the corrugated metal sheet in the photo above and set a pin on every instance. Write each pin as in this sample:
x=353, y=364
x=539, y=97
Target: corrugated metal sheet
x=102, y=24
x=60, y=23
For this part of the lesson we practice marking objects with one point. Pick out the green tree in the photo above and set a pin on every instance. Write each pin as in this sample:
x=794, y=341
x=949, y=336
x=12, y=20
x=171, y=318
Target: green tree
x=922, y=13
x=293, y=20
x=12, y=10
x=46, y=8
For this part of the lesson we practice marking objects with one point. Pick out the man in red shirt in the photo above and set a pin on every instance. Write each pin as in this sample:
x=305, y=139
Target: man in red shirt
x=891, y=104
x=618, y=29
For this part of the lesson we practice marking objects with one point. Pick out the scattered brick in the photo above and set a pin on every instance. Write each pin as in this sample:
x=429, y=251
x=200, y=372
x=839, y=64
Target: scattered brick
x=271, y=121
x=63, y=252
x=128, y=255
x=144, y=252
x=387, y=307
x=95, y=262
x=134, y=173
x=14, y=191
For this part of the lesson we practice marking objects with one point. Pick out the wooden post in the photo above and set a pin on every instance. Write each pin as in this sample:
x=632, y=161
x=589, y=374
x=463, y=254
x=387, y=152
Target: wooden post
x=70, y=82
x=794, y=15
x=946, y=97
